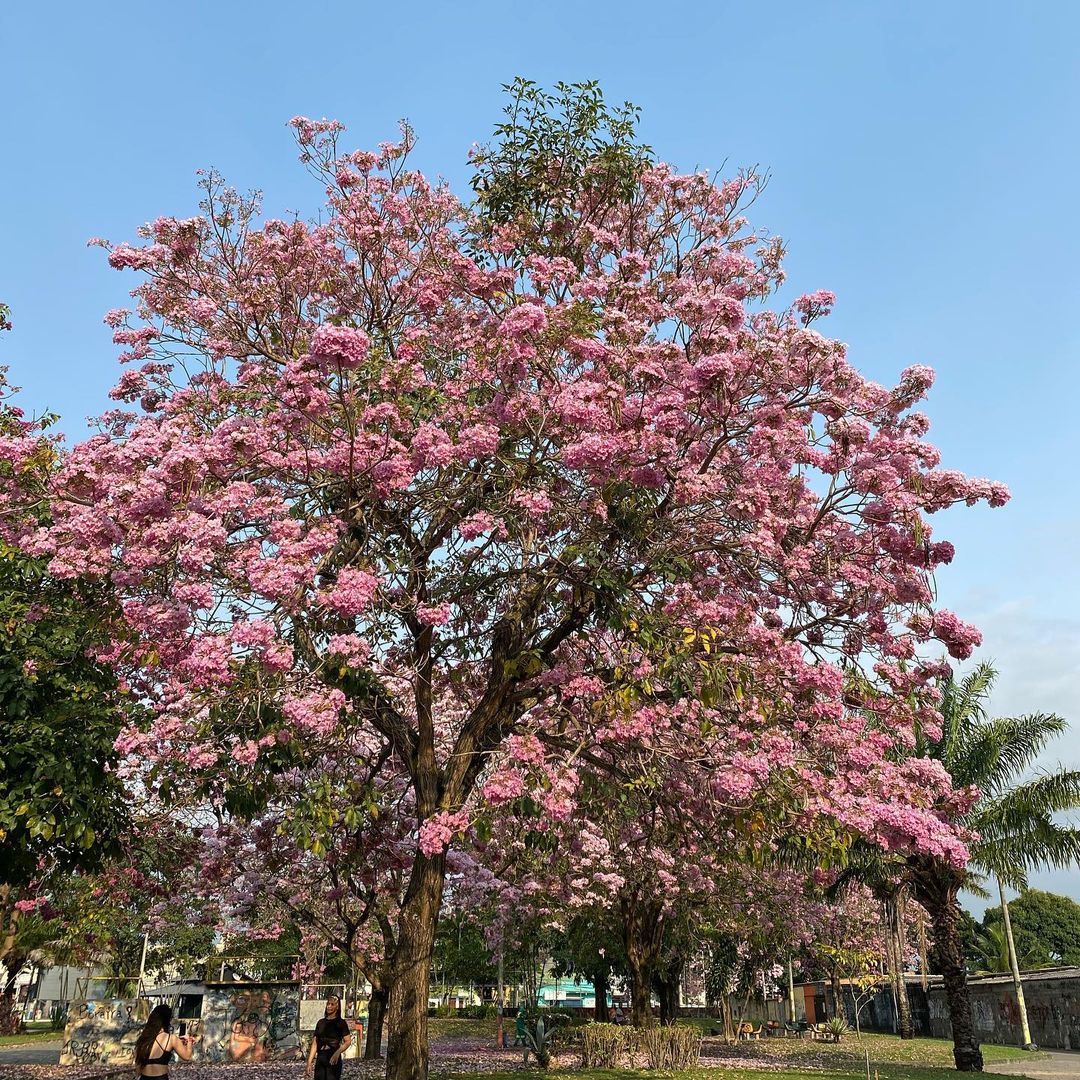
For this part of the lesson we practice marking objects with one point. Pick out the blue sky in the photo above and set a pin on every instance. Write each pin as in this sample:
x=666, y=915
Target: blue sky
x=923, y=158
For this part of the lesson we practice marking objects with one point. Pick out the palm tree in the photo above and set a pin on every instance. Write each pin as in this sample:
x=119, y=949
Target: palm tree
x=884, y=875
x=1013, y=819
x=993, y=952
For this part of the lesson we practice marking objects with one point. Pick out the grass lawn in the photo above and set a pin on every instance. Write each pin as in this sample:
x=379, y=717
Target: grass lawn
x=884, y=1050
x=886, y=1072
x=784, y=1059
x=33, y=1035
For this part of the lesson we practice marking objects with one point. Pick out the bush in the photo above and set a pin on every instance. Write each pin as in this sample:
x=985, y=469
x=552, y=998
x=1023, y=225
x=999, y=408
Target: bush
x=670, y=1048
x=603, y=1044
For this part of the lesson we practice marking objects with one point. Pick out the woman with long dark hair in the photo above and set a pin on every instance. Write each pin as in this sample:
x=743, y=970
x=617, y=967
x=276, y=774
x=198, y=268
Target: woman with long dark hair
x=331, y=1040
x=156, y=1045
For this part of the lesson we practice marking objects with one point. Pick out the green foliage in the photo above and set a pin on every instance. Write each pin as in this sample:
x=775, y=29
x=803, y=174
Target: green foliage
x=992, y=950
x=724, y=969
x=1017, y=816
x=837, y=1027
x=1046, y=928
x=677, y=1046
x=462, y=956
x=602, y=1045
x=591, y=948
x=559, y=158
x=539, y=1039
x=59, y=797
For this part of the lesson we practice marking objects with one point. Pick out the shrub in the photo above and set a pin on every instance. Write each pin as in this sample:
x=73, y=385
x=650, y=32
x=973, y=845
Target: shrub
x=603, y=1044
x=671, y=1048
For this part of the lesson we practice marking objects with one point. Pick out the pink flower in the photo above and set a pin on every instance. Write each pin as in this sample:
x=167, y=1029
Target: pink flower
x=436, y=615
x=353, y=592
x=527, y=318
x=814, y=305
x=437, y=832
x=476, y=525
x=340, y=344
x=245, y=753
x=534, y=503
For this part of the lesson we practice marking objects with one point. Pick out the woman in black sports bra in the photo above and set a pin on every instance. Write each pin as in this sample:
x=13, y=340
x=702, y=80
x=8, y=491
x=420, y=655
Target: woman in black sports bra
x=156, y=1045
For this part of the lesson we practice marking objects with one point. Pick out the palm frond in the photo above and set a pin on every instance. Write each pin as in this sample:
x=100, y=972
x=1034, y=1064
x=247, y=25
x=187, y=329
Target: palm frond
x=1019, y=741
x=1038, y=844
x=1042, y=796
x=975, y=758
x=962, y=705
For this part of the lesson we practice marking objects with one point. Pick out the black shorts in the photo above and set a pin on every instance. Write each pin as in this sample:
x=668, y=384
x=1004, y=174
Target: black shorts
x=323, y=1069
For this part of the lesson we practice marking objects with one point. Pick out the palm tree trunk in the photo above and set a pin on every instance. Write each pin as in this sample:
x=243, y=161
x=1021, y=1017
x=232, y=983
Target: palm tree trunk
x=1025, y=1030
x=940, y=903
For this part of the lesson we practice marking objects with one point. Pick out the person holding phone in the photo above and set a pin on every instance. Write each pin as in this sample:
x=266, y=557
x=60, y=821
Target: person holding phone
x=156, y=1045
x=332, y=1038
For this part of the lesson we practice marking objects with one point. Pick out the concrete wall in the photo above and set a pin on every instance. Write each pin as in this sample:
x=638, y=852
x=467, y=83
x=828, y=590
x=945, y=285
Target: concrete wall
x=1053, y=1005
x=103, y=1033
x=251, y=1023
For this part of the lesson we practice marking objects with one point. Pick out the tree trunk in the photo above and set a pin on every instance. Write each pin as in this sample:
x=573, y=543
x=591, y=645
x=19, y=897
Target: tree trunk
x=640, y=993
x=924, y=968
x=726, y=1019
x=837, y=995
x=1014, y=964
x=14, y=961
x=894, y=941
x=407, y=1047
x=600, y=985
x=938, y=897
x=668, y=978
x=377, y=1003
x=10, y=1021
x=643, y=933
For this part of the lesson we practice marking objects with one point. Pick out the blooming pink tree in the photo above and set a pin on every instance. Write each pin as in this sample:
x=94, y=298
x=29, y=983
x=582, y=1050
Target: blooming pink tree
x=313, y=858
x=445, y=477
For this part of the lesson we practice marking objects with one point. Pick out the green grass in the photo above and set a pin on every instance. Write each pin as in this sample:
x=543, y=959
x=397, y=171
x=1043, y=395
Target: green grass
x=851, y=1050
x=888, y=1072
x=440, y=1027
x=783, y=1059
x=33, y=1035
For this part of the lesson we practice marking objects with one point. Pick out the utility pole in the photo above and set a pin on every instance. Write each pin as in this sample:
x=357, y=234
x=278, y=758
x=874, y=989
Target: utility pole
x=1018, y=986
x=142, y=965
x=791, y=991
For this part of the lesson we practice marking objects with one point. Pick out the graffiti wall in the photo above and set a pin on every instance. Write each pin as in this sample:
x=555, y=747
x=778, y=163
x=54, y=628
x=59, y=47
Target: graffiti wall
x=1053, y=1004
x=103, y=1033
x=251, y=1023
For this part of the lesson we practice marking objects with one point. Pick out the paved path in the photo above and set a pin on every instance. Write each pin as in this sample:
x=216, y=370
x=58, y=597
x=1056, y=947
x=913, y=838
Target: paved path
x=33, y=1053
x=1050, y=1065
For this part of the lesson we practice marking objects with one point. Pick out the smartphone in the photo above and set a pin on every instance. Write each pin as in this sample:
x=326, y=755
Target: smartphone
x=183, y=1029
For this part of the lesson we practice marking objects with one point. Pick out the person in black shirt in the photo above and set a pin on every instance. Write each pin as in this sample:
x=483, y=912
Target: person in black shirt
x=331, y=1040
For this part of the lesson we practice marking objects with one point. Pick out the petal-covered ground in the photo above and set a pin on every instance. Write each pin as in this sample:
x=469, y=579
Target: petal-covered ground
x=459, y=1049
